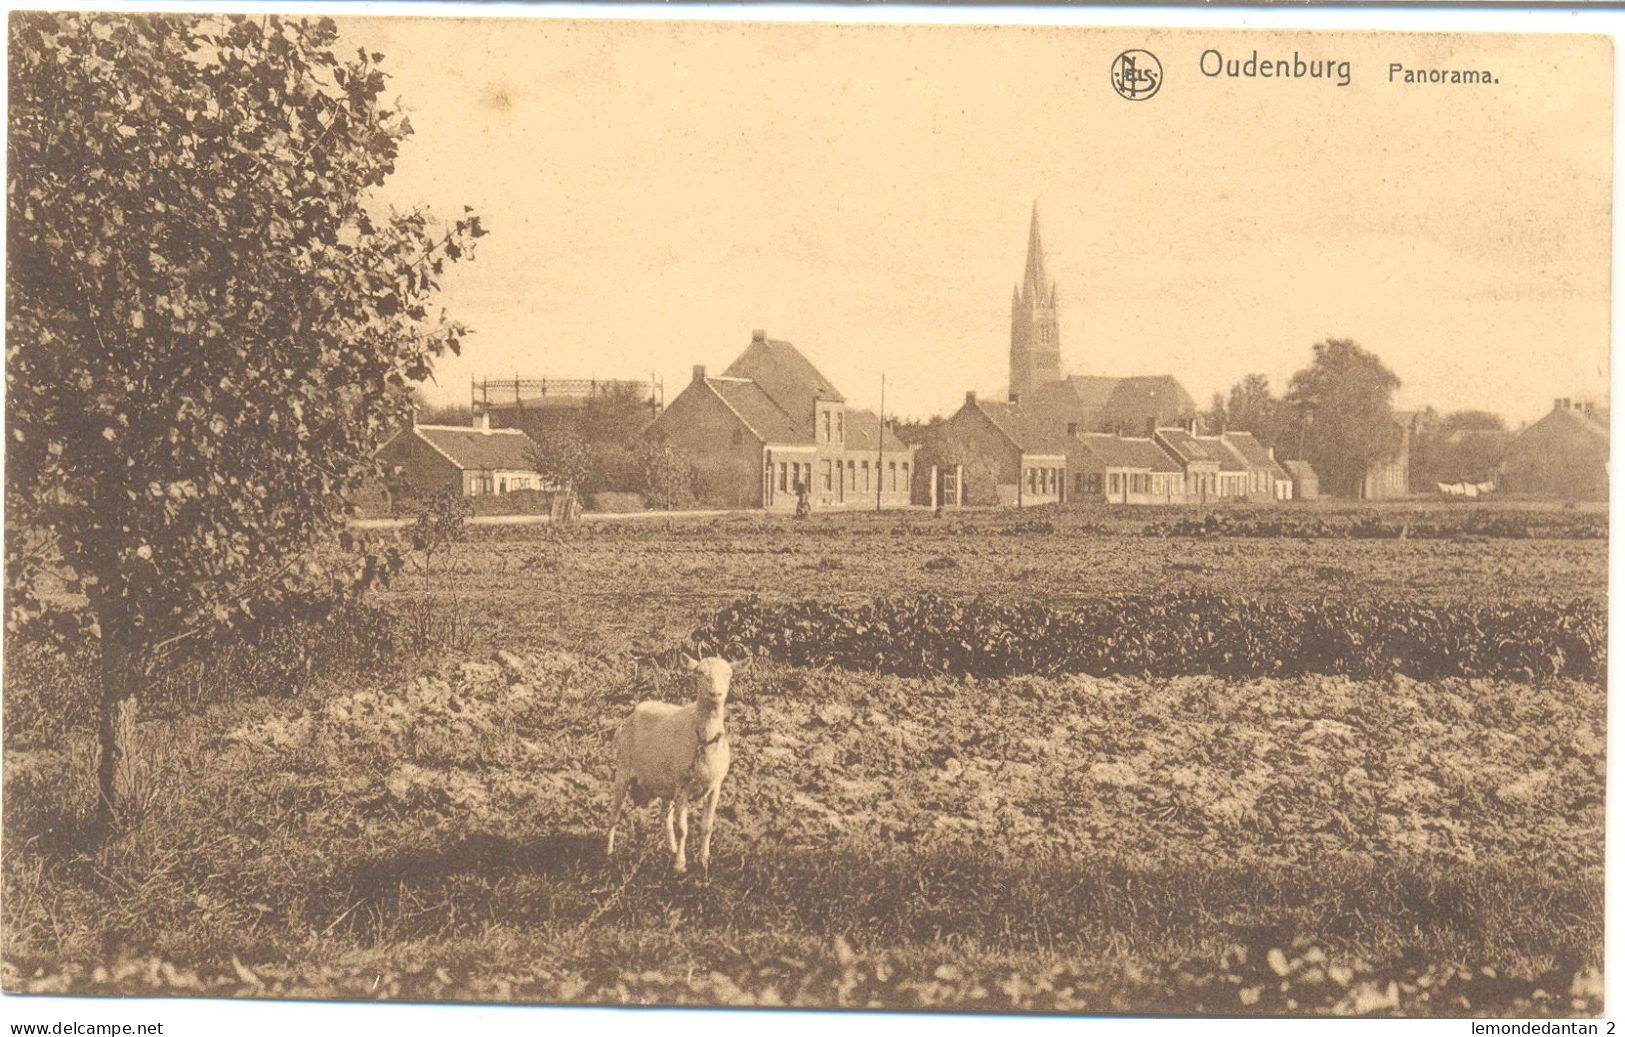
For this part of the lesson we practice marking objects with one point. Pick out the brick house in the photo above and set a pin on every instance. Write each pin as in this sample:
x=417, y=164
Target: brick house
x=1390, y=478
x=1201, y=462
x=470, y=461
x=1025, y=458
x=1266, y=480
x=1305, y=483
x=772, y=422
x=1123, y=470
x=1126, y=406
x=1564, y=455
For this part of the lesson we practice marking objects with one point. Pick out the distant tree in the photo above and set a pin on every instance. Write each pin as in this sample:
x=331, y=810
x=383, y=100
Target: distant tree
x=618, y=414
x=207, y=328
x=1340, y=415
x=668, y=481
x=560, y=455
x=440, y=413
x=1465, y=446
x=1253, y=408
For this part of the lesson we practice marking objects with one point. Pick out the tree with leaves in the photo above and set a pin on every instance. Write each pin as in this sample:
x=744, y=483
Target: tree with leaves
x=1463, y=446
x=1252, y=407
x=1340, y=415
x=560, y=455
x=208, y=326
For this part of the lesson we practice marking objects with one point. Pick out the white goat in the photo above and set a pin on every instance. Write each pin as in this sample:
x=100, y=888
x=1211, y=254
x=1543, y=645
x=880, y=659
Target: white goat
x=678, y=754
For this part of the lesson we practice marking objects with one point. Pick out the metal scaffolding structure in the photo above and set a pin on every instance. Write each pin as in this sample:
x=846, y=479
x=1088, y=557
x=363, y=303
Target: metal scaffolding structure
x=522, y=393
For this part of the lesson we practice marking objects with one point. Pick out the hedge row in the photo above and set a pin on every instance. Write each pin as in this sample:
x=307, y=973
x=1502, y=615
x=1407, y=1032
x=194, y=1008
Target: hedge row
x=1488, y=524
x=1173, y=634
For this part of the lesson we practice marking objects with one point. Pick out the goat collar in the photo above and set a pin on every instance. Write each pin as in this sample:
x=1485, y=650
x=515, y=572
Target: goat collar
x=713, y=740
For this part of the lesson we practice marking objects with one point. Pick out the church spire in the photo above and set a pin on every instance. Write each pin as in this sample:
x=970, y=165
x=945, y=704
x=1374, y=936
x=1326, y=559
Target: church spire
x=1035, y=333
x=1036, y=282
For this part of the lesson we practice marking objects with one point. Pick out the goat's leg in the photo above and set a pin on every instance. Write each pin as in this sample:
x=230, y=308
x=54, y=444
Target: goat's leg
x=615, y=802
x=671, y=824
x=708, y=818
x=680, y=862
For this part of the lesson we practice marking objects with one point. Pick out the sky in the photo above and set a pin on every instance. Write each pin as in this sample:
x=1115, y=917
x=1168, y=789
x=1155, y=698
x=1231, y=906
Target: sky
x=656, y=191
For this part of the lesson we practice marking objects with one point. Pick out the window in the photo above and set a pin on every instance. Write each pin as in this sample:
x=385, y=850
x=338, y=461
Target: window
x=892, y=467
x=866, y=475
x=784, y=473
x=826, y=426
x=502, y=486
x=906, y=483
x=1032, y=480
x=1114, y=483
x=840, y=427
x=829, y=473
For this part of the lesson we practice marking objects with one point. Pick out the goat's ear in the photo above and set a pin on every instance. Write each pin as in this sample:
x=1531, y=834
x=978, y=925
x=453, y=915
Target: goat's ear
x=689, y=662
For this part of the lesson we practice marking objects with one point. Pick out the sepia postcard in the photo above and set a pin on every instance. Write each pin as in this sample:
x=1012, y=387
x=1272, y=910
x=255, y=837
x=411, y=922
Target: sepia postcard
x=805, y=515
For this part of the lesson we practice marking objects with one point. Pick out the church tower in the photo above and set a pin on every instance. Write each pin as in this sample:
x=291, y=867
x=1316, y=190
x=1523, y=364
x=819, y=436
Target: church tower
x=1035, y=333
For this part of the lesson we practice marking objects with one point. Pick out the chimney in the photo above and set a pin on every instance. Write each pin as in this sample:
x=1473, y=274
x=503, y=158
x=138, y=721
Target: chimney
x=970, y=396
x=1151, y=426
x=699, y=372
x=1557, y=404
x=1071, y=428
x=1015, y=397
x=485, y=422
x=758, y=335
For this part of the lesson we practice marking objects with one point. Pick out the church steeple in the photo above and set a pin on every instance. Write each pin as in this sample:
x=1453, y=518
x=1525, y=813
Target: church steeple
x=1036, y=281
x=1035, y=333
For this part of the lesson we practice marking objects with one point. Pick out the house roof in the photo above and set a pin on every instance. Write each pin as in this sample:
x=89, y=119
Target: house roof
x=788, y=378
x=1188, y=448
x=1230, y=458
x=1300, y=470
x=474, y=449
x=1256, y=454
x=1029, y=431
x=1100, y=404
x=1596, y=422
x=861, y=429
x=766, y=420
x=1128, y=452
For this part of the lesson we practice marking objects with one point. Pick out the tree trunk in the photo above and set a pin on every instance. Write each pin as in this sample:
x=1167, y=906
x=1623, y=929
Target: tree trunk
x=116, y=777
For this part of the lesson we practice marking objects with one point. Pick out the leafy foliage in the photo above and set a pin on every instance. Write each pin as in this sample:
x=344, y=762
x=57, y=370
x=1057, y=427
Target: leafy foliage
x=1174, y=634
x=1465, y=523
x=1342, y=415
x=561, y=456
x=1464, y=446
x=205, y=318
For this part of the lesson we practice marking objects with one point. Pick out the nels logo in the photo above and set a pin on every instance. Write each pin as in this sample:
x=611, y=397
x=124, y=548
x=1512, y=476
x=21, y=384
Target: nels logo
x=1136, y=74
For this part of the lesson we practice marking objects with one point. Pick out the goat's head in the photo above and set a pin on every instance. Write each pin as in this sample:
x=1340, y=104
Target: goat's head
x=712, y=676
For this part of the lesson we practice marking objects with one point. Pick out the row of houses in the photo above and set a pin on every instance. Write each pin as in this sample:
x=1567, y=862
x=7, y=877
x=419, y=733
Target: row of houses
x=1033, y=459
x=772, y=428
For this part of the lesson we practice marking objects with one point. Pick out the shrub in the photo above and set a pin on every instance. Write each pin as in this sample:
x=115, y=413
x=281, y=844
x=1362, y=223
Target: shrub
x=1421, y=526
x=1174, y=634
